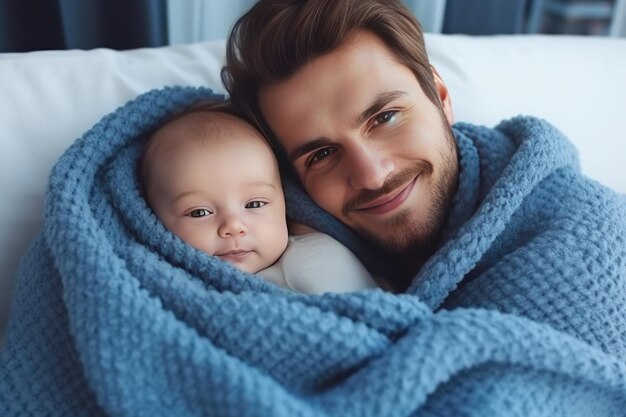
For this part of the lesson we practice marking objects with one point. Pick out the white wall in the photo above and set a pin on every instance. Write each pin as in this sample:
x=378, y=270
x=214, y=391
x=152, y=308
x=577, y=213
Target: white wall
x=200, y=20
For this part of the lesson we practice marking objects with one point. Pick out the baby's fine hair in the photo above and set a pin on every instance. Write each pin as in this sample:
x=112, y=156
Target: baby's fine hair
x=198, y=114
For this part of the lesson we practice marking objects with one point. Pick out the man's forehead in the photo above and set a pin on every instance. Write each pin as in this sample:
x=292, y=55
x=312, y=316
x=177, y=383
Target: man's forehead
x=346, y=107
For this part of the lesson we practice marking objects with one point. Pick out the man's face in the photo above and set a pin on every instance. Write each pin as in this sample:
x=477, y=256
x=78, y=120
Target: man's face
x=368, y=145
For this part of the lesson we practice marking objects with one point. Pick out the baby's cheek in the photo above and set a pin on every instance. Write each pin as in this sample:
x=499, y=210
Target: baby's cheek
x=197, y=237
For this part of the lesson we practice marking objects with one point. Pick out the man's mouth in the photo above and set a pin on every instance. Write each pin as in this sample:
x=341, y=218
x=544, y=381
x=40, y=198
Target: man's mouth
x=389, y=202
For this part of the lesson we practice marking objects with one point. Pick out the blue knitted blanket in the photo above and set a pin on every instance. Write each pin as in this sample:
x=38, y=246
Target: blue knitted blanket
x=519, y=313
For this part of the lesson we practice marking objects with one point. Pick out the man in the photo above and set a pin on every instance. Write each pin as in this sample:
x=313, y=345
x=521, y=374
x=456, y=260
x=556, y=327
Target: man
x=388, y=187
x=465, y=216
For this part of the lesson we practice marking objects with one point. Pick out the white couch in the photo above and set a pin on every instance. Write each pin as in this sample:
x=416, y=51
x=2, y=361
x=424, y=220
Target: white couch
x=47, y=99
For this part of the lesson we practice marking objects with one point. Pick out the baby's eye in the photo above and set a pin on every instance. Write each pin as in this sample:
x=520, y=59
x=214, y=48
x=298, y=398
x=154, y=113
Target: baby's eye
x=255, y=204
x=199, y=213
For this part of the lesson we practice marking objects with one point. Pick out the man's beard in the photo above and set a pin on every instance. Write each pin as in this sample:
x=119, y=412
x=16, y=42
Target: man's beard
x=410, y=235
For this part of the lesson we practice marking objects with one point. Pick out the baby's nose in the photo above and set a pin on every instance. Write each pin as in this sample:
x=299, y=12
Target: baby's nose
x=232, y=226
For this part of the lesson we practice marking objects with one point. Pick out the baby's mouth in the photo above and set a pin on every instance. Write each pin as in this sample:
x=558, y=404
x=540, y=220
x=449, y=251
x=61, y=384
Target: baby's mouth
x=234, y=254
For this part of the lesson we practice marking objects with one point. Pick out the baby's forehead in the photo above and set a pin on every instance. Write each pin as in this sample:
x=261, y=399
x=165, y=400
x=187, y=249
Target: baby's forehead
x=211, y=131
x=201, y=129
x=212, y=127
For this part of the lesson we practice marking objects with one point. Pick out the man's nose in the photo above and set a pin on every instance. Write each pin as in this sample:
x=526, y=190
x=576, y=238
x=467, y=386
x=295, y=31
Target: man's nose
x=231, y=226
x=368, y=167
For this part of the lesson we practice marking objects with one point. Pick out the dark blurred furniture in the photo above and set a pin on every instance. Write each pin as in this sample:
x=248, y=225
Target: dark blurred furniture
x=484, y=17
x=30, y=25
x=575, y=17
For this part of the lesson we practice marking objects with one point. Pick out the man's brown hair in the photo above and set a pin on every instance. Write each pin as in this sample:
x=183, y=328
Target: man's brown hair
x=276, y=38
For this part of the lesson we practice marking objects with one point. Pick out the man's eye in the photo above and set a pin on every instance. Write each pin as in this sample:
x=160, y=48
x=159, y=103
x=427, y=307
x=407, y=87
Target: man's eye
x=320, y=155
x=255, y=204
x=199, y=213
x=385, y=117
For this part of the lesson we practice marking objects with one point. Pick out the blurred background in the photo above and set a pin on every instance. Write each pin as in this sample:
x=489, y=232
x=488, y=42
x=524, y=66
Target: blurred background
x=30, y=25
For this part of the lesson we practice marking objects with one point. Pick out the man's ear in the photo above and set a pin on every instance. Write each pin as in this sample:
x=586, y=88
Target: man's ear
x=444, y=96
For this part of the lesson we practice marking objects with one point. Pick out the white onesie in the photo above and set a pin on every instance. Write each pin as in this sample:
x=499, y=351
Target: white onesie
x=315, y=263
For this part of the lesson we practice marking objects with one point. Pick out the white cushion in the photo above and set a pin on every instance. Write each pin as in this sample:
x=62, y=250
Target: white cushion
x=48, y=99
x=576, y=83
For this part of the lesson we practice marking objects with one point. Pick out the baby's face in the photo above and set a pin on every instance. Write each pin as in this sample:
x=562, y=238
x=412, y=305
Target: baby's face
x=224, y=198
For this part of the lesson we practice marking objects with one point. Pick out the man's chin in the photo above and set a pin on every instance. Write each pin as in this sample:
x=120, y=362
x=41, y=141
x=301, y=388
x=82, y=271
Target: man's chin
x=401, y=239
x=412, y=231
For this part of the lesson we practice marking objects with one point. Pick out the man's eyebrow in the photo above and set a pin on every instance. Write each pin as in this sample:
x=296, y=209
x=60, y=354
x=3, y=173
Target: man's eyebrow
x=306, y=148
x=379, y=102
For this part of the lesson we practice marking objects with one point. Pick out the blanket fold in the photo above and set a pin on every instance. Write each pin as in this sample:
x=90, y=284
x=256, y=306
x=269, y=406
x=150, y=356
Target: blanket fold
x=113, y=315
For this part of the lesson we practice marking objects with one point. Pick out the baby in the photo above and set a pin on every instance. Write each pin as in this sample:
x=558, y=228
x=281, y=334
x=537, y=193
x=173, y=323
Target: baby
x=213, y=180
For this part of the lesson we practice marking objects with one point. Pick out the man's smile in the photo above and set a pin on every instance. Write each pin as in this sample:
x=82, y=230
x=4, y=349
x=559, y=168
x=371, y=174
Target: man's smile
x=390, y=201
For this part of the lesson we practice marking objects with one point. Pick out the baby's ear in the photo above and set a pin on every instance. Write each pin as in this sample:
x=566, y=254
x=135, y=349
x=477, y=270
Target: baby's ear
x=298, y=228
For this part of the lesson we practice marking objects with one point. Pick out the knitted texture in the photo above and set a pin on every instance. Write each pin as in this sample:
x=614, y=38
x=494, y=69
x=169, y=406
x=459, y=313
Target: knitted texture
x=520, y=312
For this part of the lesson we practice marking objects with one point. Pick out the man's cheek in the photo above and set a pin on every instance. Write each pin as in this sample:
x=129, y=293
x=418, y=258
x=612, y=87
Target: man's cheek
x=327, y=196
